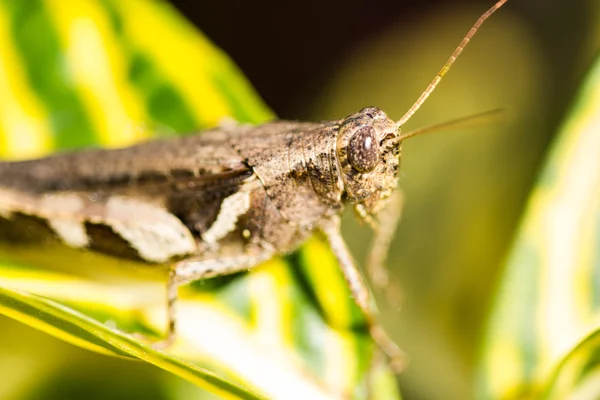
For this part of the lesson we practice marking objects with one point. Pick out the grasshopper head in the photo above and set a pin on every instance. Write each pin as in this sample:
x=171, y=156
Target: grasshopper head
x=368, y=152
x=368, y=143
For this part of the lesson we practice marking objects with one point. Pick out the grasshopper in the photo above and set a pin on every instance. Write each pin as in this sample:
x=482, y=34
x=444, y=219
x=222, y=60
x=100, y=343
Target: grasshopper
x=221, y=201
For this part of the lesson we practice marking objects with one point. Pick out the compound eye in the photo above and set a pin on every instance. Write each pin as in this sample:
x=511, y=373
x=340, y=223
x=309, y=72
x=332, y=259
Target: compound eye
x=363, y=150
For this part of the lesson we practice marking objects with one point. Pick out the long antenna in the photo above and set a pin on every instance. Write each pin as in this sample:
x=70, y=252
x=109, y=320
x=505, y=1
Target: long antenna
x=472, y=121
x=449, y=63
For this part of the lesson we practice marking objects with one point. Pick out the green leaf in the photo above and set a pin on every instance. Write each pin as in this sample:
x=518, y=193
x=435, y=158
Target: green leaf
x=78, y=73
x=52, y=317
x=538, y=341
x=577, y=374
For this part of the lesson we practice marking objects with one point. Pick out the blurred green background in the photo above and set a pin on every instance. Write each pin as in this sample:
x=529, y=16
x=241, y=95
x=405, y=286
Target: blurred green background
x=465, y=191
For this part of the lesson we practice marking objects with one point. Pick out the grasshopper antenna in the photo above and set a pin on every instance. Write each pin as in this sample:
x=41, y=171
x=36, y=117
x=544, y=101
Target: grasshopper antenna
x=472, y=121
x=448, y=64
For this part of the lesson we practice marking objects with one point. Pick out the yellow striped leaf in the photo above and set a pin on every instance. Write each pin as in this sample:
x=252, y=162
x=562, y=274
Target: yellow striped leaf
x=549, y=300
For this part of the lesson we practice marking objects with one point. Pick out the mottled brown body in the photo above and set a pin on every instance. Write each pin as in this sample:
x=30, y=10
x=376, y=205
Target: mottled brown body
x=286, y=176
x=208, y=204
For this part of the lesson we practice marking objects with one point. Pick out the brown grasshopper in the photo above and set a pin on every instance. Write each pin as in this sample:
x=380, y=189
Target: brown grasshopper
x=221, y=201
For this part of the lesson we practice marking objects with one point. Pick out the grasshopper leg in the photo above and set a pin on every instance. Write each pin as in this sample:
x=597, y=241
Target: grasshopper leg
x=192, y=269
x=361, y=295
x=384, y=228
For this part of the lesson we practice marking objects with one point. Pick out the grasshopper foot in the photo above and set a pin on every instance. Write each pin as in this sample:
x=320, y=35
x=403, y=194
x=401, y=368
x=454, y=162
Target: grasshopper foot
x=396, y=357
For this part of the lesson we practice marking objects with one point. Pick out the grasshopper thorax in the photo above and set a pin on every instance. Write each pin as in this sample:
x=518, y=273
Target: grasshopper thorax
x=368, y=153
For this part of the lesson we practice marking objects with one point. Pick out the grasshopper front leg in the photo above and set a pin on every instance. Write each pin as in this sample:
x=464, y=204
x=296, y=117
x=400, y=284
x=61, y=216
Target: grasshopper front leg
x=384, y=226
x=360, y=293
